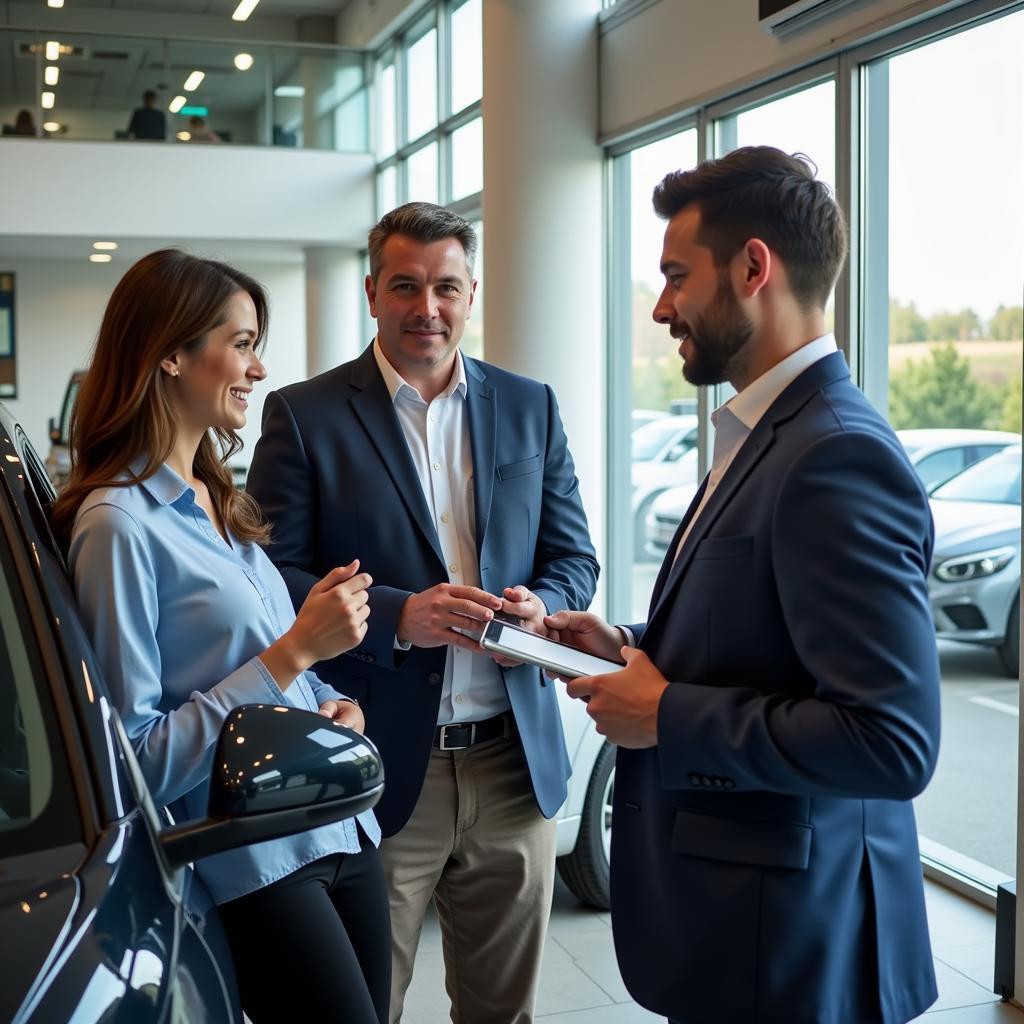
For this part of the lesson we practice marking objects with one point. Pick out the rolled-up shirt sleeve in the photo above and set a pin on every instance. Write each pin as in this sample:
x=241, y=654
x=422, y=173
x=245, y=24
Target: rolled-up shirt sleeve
x=117, y=589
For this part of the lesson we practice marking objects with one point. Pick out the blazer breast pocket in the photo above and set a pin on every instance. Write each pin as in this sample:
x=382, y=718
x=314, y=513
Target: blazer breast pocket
x=724, y=547
x=511, y=470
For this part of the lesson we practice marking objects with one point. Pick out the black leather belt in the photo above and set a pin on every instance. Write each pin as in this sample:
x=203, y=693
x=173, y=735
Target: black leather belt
x=460, y=735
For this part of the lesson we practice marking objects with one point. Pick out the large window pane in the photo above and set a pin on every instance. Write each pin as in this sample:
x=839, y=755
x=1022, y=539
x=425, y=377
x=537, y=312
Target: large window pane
x=386, y=134
x=421, y=175
x=387, y=190
x=473, y=338
x=467, y=56
x=943, y=342
x=421, y=85
x=468, y=159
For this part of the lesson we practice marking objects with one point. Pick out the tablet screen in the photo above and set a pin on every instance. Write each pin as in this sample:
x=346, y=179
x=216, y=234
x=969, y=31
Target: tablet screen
x=539, y=650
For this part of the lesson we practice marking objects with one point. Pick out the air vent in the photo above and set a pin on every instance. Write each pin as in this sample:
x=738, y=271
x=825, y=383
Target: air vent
x=782, y=17
x=109, y=55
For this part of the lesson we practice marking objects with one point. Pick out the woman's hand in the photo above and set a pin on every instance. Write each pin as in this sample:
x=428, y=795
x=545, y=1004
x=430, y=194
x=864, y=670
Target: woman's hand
x=344, y=712
x=332, y=620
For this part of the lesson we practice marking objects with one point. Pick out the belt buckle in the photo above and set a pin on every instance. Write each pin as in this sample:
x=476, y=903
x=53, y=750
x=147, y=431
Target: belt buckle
x=444, y=745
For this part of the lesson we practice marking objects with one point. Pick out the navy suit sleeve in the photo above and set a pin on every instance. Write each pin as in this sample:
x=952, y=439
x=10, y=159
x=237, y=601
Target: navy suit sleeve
x=565, y=567
x=851, y=545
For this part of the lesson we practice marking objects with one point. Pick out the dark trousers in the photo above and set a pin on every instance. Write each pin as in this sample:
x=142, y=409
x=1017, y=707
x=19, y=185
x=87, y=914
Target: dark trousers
x=315, y=945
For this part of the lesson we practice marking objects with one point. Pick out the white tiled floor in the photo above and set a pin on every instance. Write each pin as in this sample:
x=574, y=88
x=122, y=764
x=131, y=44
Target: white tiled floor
x=580, y=983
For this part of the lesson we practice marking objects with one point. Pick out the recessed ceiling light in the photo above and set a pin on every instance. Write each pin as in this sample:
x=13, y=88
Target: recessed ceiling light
x=51, y=126
x=104, y=245
x=47, y=100
x=100, y=257
x=244, y=9
x=243, y=61
x=184, y=136
x=176, y=104
x=52, y=50
x=290, y=90
x=54, y=3
x=51, y=74
x=193, y=80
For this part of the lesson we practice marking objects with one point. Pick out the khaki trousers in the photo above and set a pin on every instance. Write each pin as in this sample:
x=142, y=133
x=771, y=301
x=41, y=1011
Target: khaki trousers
x=478, y=845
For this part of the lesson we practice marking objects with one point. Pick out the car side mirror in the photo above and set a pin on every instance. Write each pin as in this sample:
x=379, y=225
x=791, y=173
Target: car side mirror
x=277, y=771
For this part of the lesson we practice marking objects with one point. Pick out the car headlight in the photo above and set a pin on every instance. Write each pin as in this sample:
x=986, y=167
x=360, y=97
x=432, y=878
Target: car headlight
x=971, y=567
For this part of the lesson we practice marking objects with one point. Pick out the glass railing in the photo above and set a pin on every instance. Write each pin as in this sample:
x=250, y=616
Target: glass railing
x=177, y=91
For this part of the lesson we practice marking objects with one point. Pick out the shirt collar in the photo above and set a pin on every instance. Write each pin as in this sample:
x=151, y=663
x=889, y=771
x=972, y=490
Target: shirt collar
x=757, y=397
x=396, y=383
x=164, y=485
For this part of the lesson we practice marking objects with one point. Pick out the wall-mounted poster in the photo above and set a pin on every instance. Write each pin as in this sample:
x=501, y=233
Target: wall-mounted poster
x=8, y=376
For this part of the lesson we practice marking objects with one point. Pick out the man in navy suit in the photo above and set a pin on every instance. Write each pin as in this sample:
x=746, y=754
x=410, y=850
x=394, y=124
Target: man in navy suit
x=780, y=708
x=451, y=481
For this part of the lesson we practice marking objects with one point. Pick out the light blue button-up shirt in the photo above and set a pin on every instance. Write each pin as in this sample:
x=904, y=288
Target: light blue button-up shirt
x=178, y=618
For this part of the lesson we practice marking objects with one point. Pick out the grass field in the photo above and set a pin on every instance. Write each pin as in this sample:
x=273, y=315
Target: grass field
x=994, y=362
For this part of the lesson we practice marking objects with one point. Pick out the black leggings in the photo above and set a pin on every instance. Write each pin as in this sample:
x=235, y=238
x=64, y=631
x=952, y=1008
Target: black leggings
x=315, y=945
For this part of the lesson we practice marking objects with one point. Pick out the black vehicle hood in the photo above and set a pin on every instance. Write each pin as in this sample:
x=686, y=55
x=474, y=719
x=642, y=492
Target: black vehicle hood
x=38, y=896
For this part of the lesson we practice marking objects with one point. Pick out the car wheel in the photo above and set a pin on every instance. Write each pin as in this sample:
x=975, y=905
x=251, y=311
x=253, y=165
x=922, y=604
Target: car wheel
x=585, y=870
x=640, y=531
x=1009, y=650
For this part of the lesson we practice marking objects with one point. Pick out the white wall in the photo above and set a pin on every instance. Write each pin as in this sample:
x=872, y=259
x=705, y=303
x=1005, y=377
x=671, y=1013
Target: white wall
x=153, y=190
x=59, y=305
x=677, y=54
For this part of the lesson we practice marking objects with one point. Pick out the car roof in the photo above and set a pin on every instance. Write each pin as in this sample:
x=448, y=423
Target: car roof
x=942, y=437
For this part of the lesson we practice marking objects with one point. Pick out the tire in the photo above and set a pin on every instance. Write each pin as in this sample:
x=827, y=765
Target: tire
x=1009, y=650
x=640, y=531
x=585, y=870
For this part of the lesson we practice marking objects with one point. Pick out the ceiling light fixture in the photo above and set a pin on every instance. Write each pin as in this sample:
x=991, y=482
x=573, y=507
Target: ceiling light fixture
x=104, y=245
x=193, y=80
x=47, y=100
x=176, y=104
x=184, y=136
x=100, y=257
x=50, y=74
x=244, y=9
x=243, y=61
x=54, y=3
x=52, y=50
x=51, y=126
x=293, y=91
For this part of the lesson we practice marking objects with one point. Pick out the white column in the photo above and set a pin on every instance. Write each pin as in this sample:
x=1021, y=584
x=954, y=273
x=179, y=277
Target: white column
x=542, y=210
x=334, y=321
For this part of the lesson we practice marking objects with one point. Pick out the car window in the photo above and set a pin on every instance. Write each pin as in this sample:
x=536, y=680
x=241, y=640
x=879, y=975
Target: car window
x=649, y=439
x=70, y=395
x=995, y=479
x=939, y=466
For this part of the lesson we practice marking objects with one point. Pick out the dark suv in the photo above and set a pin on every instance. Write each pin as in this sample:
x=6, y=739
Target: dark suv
x=102, y=916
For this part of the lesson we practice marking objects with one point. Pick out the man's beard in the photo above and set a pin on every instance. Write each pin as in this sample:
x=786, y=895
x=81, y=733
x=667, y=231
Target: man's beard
x=718, y=338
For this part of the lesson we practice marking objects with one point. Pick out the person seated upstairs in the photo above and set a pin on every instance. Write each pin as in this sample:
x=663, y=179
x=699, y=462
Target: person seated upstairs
x=200, y=132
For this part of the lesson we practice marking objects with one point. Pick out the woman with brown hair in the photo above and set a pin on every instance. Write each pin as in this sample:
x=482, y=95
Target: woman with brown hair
x=190, y=619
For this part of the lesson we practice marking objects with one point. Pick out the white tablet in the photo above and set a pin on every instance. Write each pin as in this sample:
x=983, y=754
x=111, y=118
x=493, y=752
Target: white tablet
x=535, y=649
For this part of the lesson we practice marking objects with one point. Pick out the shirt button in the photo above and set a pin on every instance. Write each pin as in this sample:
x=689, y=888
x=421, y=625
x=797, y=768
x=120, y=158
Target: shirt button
x=458, y=698
x=434, y=678
x=453, y=567
x=444, y=517
x=437, y=465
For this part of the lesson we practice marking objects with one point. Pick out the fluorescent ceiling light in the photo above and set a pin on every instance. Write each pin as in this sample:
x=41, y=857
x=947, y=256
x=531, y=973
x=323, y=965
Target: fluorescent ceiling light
x=290, y=90
x=51, y=74
x=100, y=257
x=183, y=136
x=51, y=126
x=244, y=9
x=48, y=99
x=54, y=3
x=52, y=50
x=176, y=104
x=104, y=245
x=243, y=61
x=193, y=80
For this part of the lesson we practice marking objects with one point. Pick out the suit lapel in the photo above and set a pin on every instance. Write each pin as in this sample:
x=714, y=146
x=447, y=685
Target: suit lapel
x=373, y=407
x=669, y=560
x=482, y=407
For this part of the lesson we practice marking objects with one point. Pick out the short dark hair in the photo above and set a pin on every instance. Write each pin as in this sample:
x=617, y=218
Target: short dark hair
x=149, y=96
x=761, y=192
x=423, y=222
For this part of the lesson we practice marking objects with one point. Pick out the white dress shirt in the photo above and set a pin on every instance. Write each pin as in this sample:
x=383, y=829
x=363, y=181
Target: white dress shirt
x=437, y=434
x=735, y=420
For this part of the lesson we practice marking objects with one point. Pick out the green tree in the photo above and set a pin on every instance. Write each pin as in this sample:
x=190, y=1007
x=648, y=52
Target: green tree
x=1007, y=324
x=905, y=323
x=959, y=326
x=1011, y=406
x=941, y=392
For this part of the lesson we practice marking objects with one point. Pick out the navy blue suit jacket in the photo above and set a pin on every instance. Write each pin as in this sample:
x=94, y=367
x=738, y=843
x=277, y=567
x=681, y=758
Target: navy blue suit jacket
x=333, y=474
x=765, y=864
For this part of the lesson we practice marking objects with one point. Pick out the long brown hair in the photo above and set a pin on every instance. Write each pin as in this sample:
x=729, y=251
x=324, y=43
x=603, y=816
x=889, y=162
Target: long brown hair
x=167, y=301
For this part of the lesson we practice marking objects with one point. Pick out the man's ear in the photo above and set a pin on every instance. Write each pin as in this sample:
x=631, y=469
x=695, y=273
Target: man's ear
x=472, y=296
x=755, y=263
x=371, y=295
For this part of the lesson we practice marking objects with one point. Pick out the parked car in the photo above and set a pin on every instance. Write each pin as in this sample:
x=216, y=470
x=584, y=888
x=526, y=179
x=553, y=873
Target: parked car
x=936, y=454
x=664, y=455
x=96, y=762
x=102, y=916
x=939, y=454
x=58, y=461
x=641, y=417
x=974, y=585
